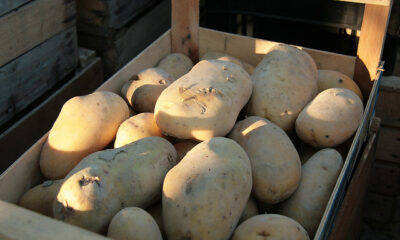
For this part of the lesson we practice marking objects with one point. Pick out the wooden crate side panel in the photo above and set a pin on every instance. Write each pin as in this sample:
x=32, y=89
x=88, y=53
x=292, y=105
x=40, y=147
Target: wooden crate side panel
x=40, y=120
x=388, y=106
x=389, y=145
x=253, y=50
x=91, y=11
x=385, y=178
x=9, y=5
x=32, y=24
x=30, y=75
x=17, y=223
x=25, y=173
x=379, y=208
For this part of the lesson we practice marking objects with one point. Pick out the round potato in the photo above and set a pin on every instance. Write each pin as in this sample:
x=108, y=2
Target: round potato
x=221, y=56
x=133, y=223
x=330, y=119
x=333, y=79
x=283, y=83
x=135, y=128
x=271, y=227
x=204, y=103
x=308, y=203
x=176, y=64
x=204, y=195
x=275, y=163
x=85, y=125
x=184, y=147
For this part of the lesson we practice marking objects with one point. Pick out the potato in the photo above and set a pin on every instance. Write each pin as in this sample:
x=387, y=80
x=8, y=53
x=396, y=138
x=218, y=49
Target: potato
x=156, y=212
x=330, y=119
x=135, y=128
x=143, y=93
x=85, y=125
x=133, y=223
x=271, y=227
x=221, y=56
x=248, y=67
x=308, y=203
x=107, y=181
x=275, y=163
x=204, y=195
x=249, y=211
x=333, y=79
x=283, y=83
x=183, y=147
x=176, y=64
x=204, y=103
x=40, y=198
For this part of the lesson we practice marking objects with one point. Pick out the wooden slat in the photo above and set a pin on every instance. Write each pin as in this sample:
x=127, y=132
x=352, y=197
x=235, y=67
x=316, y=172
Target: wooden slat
x=389, y=95
x=25, y=173
x=185, y=27
x=10, y=5
x=252, y=50
x=32, y=24
x=349, y=216
x=27, y=77
x=386, y=178
x=39, y=120
x=379, y=208
x=17, y=223
x=374, y=2
x=389, y=145
x=370, y=46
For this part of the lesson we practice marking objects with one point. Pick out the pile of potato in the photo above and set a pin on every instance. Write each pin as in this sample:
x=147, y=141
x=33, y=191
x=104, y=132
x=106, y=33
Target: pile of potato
x=210, y=145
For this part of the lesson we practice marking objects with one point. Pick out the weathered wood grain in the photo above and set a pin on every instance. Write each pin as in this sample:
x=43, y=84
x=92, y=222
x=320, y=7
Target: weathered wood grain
x=30, y=75
x=32, y=24
x=9, y=5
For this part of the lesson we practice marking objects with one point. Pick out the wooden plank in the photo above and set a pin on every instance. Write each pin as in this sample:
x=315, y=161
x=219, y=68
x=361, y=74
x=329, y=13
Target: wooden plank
x=380, y=208
x=33, y=24
x=374, y=2
x=86, y=56
x=131, y=40
x=388, y=145
x=10, y=5
x=370, y=46
x=350, y=213
x=25, y=173
x=387, y=107
x=386, y=178
x=40, y=119
x=253, y=50
x=185, y=27
x=17, y=223
x=27, y=77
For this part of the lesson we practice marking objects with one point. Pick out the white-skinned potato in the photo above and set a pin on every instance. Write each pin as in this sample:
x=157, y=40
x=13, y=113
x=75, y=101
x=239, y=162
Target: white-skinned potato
x=333, y=79
x=137, y=127
x=249, y=211
x=249, y=68
x=86, y=124
x=330, y=118
x=107, y=181
x=271, y=227
x=176, y=64
x=204, y=103
x=308, y=203
x=283, y=83
x=41, y=197
x=275, y=163
x=204, y=195
x=184, y=147
x=221, y=56
x=133, y=223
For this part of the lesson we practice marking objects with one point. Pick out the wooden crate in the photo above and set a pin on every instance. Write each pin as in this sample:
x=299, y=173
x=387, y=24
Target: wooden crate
x=121, y=46
x=26, y=131
x=185, y=36
x=7, y=6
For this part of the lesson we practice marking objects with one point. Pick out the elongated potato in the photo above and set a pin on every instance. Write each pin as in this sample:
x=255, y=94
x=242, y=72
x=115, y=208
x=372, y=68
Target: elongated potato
x=176, y=64
x=330, y=119
x=107, y=181
x=184, y=147
x=205, y=194
x=308, y=203
x=283, y=82
x=143, y=93
x=333, y=79
x=85, y=125
x=271, y=227
x=135, y=128
x=221, y=56
x=249, y=211
x=275, y=163
x=204, y=103
x=133, y=223
x=41, y=197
